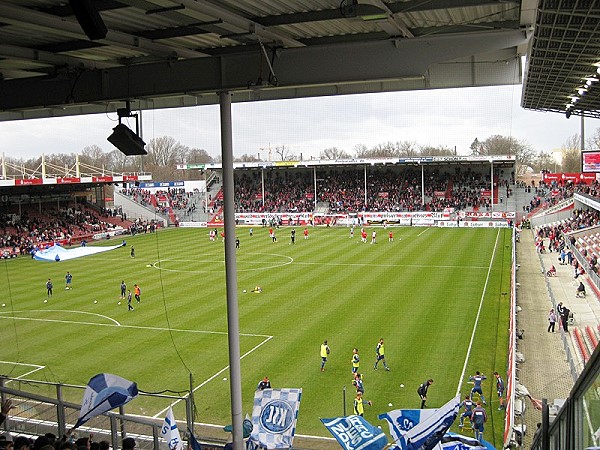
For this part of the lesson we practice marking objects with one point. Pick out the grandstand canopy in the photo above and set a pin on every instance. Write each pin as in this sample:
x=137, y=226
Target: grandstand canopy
x=564, y=55
x=173, y=53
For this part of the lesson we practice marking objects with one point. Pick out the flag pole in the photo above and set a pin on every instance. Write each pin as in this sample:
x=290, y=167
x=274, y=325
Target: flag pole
x=189, y=403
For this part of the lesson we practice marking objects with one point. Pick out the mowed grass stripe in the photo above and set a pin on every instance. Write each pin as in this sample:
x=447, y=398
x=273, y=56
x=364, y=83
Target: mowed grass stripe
x=419, y=293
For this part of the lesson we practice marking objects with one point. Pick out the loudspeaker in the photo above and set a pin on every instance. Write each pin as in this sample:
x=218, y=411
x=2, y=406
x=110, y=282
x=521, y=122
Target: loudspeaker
x=88, y=17
x=127, y=141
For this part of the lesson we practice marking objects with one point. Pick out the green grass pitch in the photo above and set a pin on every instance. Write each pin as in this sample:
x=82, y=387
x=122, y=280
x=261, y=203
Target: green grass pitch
x=421, y=293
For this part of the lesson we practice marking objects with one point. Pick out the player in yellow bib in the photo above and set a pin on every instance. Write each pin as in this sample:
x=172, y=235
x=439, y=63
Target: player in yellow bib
x=324, y=353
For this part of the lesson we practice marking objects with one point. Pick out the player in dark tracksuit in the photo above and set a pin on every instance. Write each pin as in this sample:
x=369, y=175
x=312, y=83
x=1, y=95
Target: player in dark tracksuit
x=478, y=419
x=422, y=391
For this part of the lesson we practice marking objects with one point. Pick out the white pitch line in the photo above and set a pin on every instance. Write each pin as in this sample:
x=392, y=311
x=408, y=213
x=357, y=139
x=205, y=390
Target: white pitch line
x=426, y=229
x=37, y=367
x=135, y=327
x=487, y=278
x=162, y=412
x=423, y=266
x=79, y=312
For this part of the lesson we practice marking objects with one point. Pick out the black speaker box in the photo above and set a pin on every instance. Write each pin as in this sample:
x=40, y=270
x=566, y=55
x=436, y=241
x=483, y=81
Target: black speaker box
x=88, y=17
x=127, y=141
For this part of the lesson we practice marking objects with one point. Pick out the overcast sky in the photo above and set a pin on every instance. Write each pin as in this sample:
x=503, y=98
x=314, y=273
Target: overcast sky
x=451, y=117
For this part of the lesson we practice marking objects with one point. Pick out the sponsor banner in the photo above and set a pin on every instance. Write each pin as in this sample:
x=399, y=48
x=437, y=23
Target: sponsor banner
x=29, y=182
x=108, y=234
x=587, y=177
x=447, y=224
x=423, y=222
x=488, y=214
x=395, y=216
x=68, y=180
x=102, y=179
x=162, y=184
x=484, y=224
x=190, y=166
x=193, y=224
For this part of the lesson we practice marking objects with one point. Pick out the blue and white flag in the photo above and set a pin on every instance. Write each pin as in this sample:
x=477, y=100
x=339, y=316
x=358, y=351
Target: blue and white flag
x=103, y=393
x=170, y=432
x=453, y=441
x=402, y=420
x=428, y=432
x=274, y=417
x=355, y=433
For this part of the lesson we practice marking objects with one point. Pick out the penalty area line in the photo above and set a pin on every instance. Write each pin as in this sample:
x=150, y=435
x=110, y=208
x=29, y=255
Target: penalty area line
x=37, y=368
x=208, y=380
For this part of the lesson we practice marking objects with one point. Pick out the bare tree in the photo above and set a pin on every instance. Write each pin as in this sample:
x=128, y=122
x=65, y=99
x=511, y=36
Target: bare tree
x=196, y=156
x=247, y=158
x=359, y=150
x=503, y=145
x=408, y=149
x=571, y=151
x=334, y=153
x=285, y=153
x=544, y=161
x=475, y=147
x=593, y=143
x=437, y=151
x=164, y=153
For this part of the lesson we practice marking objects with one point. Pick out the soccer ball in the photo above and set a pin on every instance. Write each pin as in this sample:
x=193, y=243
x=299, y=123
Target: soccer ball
x=401, y=385
x=244, y=291
x=4, y=305
x=95, y=301
x=118, y=303
x=45, y=301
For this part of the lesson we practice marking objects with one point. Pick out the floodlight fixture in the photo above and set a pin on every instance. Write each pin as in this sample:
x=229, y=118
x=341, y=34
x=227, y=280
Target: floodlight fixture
x=123, y=138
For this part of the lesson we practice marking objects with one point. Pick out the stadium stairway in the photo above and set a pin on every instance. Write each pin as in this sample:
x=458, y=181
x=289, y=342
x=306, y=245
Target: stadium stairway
x=545, y=371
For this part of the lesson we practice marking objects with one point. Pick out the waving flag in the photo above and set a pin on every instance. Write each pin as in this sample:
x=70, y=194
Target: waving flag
x=170, y=432
x=103, y=393
x=355, y=433
x=428, y=432
x=402, y=420
x=453, y=441
x=274, y=418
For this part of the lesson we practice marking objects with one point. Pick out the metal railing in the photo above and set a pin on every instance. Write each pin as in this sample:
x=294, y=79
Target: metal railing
x=35, y=414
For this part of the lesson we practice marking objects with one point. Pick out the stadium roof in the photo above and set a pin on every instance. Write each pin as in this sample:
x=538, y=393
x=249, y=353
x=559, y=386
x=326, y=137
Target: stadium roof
x=564, y=56
x=173, y=53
